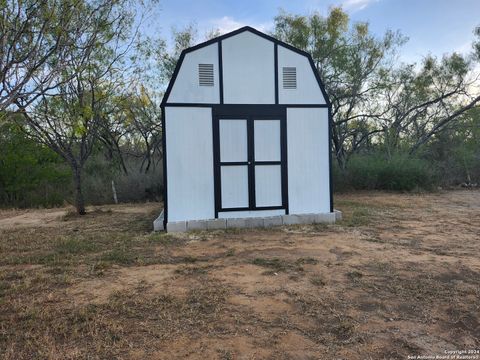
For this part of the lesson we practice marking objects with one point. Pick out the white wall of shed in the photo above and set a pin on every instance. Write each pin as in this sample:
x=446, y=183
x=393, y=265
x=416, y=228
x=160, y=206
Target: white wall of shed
x=308, y=160
x=189, y=163
x=186, y=88
x=248, y=69
x=308, y=91
x=249, y=213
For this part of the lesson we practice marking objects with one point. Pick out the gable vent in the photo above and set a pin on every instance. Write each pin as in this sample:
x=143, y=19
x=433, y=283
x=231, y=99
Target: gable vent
x=205, y=74
x=289, y=77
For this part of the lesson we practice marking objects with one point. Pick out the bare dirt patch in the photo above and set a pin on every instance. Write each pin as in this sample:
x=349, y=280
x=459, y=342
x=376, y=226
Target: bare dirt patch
x=16, y=219
x=399, y=276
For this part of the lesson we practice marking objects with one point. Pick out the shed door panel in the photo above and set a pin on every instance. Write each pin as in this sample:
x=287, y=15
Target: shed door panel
x=267, y=140
x=268, y=185
x=233, y=140
x=267, y=155
x=234, y=171
x=251, y=163
x=234, y=186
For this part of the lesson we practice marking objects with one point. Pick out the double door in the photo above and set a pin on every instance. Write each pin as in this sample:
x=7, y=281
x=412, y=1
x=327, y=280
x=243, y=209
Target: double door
x=250, y=162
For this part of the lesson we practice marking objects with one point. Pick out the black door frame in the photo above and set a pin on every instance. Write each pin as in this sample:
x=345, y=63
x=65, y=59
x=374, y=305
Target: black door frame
x=249, y=113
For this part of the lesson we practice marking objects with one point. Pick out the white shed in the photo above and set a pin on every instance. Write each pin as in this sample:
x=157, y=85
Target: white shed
x=246, y=124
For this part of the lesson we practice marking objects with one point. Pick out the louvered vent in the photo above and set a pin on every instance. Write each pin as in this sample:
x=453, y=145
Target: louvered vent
x=289, y=77
x=205, y=74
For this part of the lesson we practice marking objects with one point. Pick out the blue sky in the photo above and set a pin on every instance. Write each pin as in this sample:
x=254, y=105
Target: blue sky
x=432, y=26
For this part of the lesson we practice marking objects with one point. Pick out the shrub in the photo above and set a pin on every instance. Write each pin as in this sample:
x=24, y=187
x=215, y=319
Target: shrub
x=30, y=173
x=401, y=172
x=134, y=186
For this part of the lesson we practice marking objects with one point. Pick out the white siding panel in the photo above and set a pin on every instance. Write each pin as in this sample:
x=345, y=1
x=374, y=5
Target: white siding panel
x=233, y=140
x=268, y=185
x=234, y=186
x=250, y=214
x=186, y=88
x=308, y=160
x=248, y=70
x=308, y=91
x=189, y=163
x=267, y=140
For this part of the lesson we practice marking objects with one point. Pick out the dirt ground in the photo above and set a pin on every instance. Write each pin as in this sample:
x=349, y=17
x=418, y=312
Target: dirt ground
x=399, y=276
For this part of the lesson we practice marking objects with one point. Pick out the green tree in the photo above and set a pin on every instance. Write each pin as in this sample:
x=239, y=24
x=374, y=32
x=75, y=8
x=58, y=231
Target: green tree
x=373, y=99
x=167, y=58
x=69, y=120
x=134, y=128
x=28, y=170
x=351, y=61
x=420, y=104
x=40, y=39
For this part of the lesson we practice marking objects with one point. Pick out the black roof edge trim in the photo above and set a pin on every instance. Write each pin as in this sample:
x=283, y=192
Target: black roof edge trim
x=233, y=33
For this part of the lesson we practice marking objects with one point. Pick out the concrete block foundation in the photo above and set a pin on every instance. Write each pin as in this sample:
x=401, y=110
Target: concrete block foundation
x=257, y=222
x=254, y=222
x=177, y=226
x=236, y=223
x=158, y=223
x=328, y=218
x=197, y=225
x=338, y=215
x=272, y=221
x=216, y=224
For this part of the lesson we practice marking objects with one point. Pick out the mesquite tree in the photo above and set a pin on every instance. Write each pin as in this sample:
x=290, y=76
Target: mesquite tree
x=349, y=59
x=420, y=103
x=69, y=119
x=40, y=38
x=134, y=129
x=374, y=98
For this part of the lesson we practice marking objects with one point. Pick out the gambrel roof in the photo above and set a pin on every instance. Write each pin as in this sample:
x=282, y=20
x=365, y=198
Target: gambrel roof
x=232, y=34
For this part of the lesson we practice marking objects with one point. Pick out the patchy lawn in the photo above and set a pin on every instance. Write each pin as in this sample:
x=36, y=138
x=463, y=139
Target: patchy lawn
x=399, y=276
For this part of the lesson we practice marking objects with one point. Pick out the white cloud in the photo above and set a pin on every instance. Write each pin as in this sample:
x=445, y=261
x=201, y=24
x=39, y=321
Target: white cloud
x=356, y=5
x=464, y=48
x=227, y=23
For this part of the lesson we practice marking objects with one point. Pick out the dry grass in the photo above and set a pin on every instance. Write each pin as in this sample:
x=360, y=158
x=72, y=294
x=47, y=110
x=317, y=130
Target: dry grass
x=399, y=276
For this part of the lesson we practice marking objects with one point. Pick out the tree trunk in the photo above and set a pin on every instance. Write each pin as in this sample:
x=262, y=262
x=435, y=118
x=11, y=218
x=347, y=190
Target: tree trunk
x=342, y=162
x=77, y=181
x=341, y=157
x=114, y=191
x=338, y=150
